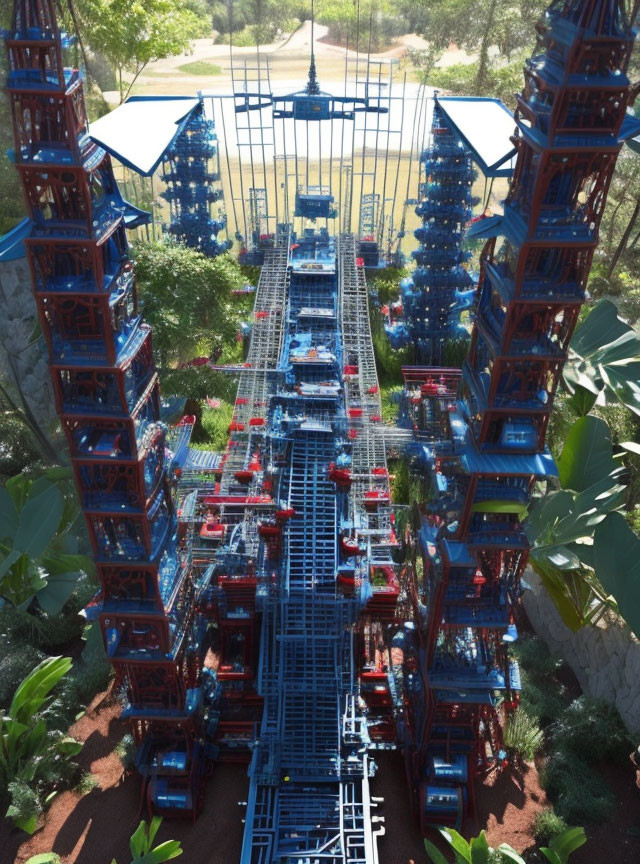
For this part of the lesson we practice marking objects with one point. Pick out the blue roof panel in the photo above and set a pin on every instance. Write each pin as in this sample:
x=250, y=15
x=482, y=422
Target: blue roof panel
x=12, y=243
x=538, y=464
x=485, y=126
x=459, y=554
x=140, y=131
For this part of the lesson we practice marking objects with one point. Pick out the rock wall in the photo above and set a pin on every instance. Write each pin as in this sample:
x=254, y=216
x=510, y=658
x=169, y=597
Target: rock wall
x=23, y=360
x=604, y=658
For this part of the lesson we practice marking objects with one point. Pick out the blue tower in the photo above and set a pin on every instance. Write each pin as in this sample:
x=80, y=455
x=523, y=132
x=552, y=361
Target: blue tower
x=432, y=299
x=532, y=284
x=108, y=401
x=191, y=172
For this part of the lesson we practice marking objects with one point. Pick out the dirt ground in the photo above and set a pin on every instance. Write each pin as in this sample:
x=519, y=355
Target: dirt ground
x=95, y=828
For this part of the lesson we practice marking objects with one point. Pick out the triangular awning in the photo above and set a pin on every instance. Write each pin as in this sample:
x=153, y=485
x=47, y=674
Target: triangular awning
x=140, y=131
x=485, y=126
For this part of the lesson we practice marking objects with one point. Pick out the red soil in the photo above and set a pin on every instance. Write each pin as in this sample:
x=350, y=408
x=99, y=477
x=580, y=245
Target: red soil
x=507, y=805
x=94, y=828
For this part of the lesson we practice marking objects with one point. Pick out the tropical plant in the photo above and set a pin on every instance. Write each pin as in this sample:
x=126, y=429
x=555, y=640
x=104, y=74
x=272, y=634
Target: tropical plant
x=45, y=858
x=39, y=537
x=142, y=849
x=582, y=547
x=562, y=845
x=522, y=734
x=604, y=363
x=477, y=849
x=33, y=757
x=474, y=851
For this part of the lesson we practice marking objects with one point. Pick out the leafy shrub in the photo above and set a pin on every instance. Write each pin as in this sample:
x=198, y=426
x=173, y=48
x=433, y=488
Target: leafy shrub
x=577, y=792
x=45, y=858
x=591, y=730
x=548, y=824
x=453, y=352
x=34, y=759
x=246, y=37
x=25, y=806
x=523, y=734
x=387, y=282
x=198, y=382
x=87, y=783
x=89, y=676
x=389, y=399
x=534, y=656
x=544, y=702
x=586, y=804
x=126, y=751
x=542, y=697
x=18, y=447
x=14, y=667
x=215, y=426
x=389, y=362
x=407, y=486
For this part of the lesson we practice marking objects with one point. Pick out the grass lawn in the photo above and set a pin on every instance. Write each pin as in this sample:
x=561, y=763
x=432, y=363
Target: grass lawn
x=201, y=67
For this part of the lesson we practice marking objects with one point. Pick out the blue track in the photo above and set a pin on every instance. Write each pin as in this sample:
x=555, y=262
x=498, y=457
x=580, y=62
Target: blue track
x=308, y=794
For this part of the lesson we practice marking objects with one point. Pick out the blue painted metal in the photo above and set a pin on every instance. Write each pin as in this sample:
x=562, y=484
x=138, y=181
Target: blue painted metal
x=482, y=444
x=12, y=245
x=107, y=397
x=431, y=301
x=190, y=170
x=261, y=622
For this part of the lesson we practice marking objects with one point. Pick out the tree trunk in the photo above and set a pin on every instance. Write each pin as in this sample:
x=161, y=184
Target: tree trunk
x=483, y=62
x=612, y=224
x=623, y=242
x=634, y=242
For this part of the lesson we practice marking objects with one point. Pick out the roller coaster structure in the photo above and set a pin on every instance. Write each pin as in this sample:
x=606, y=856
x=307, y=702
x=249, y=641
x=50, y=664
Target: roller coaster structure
x=251, y=602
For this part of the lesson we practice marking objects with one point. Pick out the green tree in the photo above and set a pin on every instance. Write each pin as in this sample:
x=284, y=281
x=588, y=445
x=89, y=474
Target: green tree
x=187, y=300
x=132, y=33
x=616, y=265
x=369, y=22
x=32, y=755
x=500, y=32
